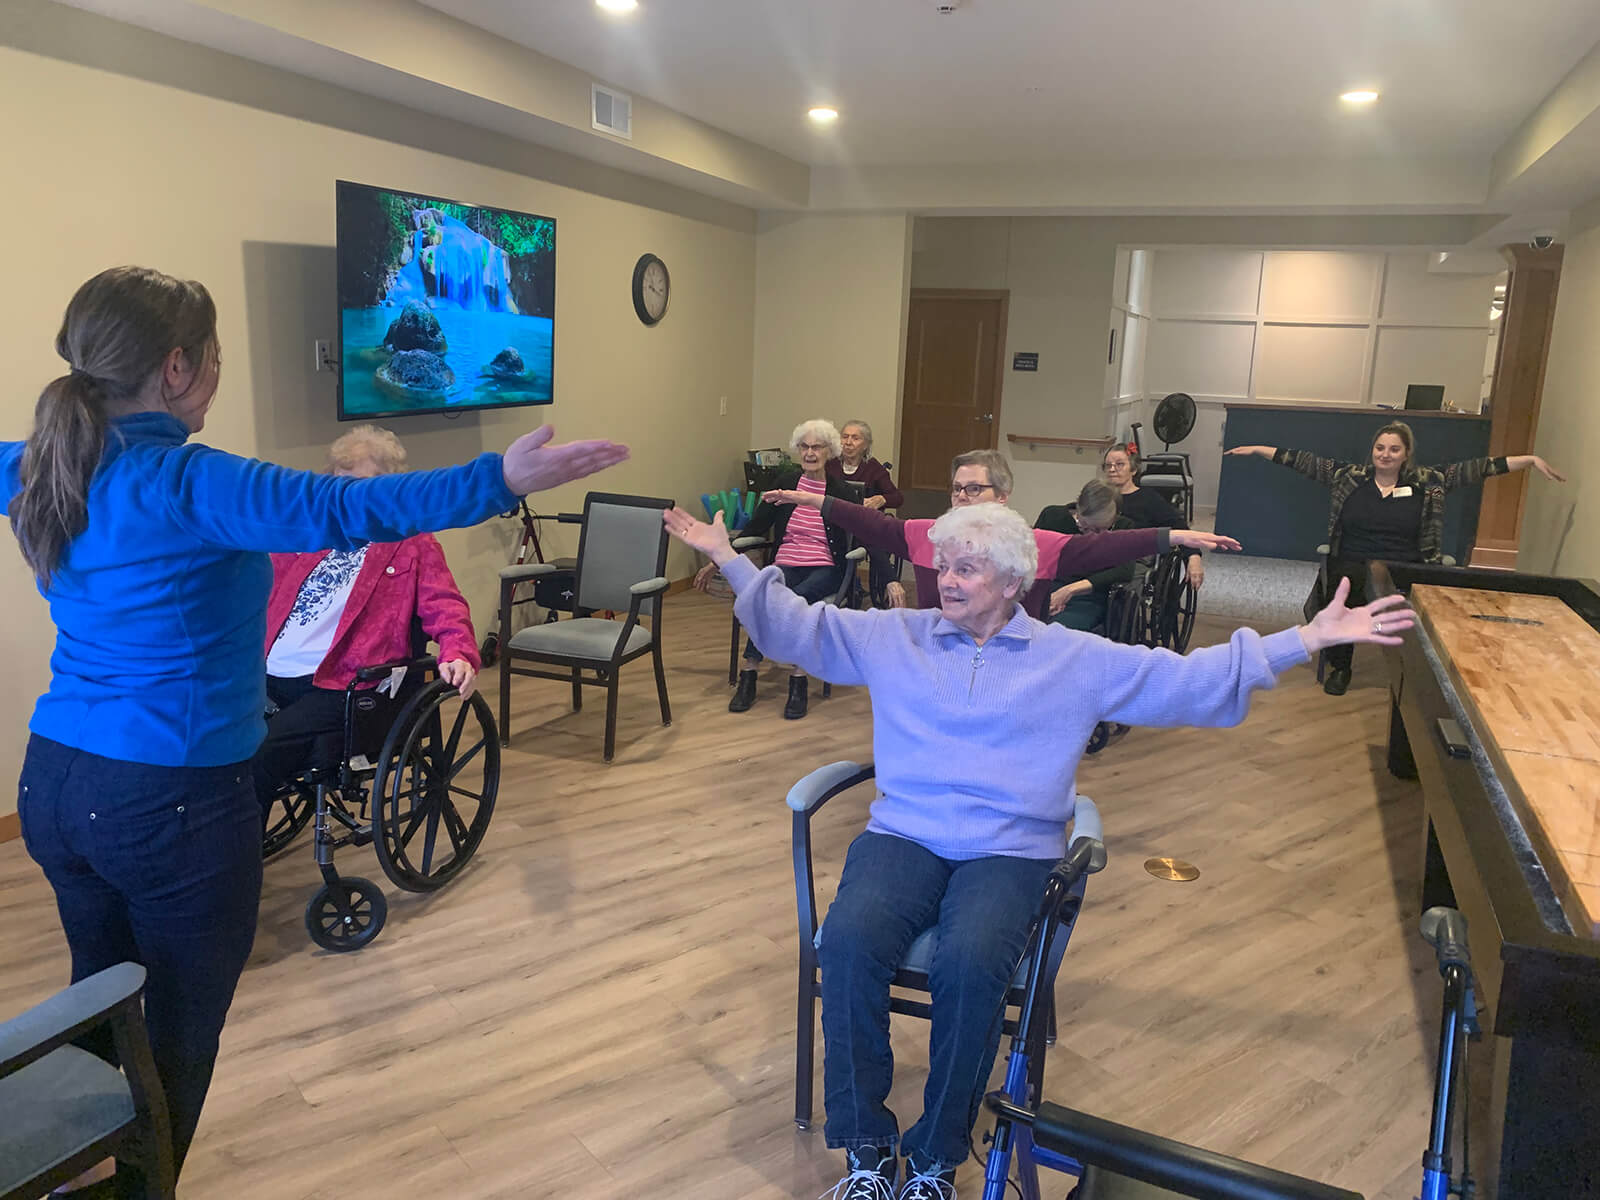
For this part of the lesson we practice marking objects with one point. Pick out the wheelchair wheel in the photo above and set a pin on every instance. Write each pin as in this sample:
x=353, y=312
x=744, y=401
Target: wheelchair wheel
x=435, y=788
x=1099, y=738
x=290, y=812
x=1183, y=617
x=353, y=924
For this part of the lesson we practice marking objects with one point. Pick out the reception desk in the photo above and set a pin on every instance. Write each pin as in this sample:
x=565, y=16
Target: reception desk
x=1278, y=513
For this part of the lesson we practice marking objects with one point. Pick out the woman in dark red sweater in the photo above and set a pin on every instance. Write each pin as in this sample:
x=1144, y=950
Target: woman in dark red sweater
x=855, y=464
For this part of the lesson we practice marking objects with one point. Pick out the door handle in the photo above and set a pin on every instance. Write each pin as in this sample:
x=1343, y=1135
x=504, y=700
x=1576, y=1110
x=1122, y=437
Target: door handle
x=986, y=418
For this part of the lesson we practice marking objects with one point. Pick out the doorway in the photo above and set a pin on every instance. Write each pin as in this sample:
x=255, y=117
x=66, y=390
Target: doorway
x=955, y=340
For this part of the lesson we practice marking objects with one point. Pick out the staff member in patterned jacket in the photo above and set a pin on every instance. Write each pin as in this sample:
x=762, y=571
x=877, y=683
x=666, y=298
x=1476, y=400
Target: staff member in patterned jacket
x=1388, y=509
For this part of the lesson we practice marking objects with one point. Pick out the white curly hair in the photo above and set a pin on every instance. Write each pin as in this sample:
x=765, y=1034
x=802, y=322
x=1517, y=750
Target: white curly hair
x=368, y=442
x=816, y=430
x=993, y=532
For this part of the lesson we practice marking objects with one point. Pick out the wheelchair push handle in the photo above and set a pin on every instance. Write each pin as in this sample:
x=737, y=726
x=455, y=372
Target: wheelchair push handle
x=1086, y=856
x=1445, y=930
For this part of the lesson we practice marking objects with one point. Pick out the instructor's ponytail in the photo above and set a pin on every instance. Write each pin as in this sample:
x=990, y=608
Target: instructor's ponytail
x=117, y=332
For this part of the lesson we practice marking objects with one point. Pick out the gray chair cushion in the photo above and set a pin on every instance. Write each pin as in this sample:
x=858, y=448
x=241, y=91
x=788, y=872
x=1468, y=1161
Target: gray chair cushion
x=920, y=958
x=585, y=637
x=55, y=1107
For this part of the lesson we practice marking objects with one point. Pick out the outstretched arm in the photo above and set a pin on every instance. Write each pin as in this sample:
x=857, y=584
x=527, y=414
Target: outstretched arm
x=1212, y=686
x=1312, y=466
x=819, y=638
x=1521, y=462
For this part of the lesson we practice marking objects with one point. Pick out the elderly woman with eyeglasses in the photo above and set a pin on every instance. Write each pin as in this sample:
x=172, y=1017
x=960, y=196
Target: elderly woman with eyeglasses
x=976, y=744
x=811, y=549
x=978, y=477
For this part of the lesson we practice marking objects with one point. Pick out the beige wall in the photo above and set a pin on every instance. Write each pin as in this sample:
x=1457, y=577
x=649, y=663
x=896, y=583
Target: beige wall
x=1560, y=530
x=1061, y=272
x=831, y=295
x=225, y=185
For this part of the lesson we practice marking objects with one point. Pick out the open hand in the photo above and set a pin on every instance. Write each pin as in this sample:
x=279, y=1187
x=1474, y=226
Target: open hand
x=459, y=674
x=895, y=592
x=1059, y=598
x=1197, y=571
x=533, y=463
x=1194, y=539
x=711, y=540
x=1380, y=623
x=702, y=577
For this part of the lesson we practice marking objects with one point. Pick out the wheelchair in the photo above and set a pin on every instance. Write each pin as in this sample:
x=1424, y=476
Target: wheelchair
x=1116, y=1162
x=424, y=803
x=1156, y=609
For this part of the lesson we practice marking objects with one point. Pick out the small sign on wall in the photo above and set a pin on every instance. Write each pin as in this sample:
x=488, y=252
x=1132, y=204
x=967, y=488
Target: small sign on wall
x=1025, y=360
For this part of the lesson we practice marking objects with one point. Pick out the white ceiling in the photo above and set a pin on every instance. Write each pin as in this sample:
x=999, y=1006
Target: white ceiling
x=1009, y=81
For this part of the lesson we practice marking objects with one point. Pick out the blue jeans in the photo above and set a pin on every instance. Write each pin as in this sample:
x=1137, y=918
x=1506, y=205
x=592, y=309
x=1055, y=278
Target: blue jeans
x=890, y=891
x=155, y=865
x=811, y=584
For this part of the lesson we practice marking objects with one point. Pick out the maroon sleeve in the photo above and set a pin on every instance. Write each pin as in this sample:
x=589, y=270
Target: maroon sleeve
x=441, y=607
x=882, y=484
x=1064, y=555
x=873, y=529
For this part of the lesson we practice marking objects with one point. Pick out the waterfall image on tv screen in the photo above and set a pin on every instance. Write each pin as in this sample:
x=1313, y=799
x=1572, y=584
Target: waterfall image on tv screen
x=443, y=307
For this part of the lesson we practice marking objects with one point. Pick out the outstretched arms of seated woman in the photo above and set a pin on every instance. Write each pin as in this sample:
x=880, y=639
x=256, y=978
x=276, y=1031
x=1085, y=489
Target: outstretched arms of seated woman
x=1521, y=462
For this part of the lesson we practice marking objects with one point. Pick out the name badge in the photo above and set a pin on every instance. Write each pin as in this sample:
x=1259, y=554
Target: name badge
x=1399, y=493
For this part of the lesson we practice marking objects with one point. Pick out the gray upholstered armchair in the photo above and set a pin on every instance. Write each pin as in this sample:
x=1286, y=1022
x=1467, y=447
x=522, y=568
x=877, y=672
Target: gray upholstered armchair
x=63, y=1109
x=622, y=554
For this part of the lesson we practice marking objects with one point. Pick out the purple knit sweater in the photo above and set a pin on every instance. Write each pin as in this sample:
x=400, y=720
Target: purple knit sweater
x=976, y=747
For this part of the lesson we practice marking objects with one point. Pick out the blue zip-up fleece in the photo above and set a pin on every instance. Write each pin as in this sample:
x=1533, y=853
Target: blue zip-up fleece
x=160, y=605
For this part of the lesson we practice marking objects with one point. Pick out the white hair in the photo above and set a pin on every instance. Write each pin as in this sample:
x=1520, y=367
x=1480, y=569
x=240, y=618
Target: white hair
x=368, y=441
x=866, y=433
x=817, y=430
x=992, y=532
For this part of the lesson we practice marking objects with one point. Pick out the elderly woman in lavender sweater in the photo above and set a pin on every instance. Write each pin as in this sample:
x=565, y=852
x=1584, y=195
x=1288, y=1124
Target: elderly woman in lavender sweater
x=976, y=741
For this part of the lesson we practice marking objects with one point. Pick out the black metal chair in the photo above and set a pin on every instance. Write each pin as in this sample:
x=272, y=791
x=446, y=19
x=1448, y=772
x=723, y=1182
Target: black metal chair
x=805, y=798
x=1167, y=472
x=622, y=557
x=431, y=788
x=63, y=1109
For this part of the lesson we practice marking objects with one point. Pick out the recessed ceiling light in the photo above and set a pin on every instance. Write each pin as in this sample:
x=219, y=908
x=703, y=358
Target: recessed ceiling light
x=1360, y=96
x=618, y=6
x=823, y=115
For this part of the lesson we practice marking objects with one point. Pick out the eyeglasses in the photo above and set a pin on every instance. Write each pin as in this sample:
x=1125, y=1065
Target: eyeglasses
x=814, y=448
x=970, y=490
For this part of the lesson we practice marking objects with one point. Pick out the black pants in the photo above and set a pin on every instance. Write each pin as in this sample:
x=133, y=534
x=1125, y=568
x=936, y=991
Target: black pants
x=155, y=865
x=1355, y=570
x=308, y=730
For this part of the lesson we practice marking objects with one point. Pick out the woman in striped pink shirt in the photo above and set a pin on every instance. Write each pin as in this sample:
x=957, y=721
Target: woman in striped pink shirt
x=810, y=550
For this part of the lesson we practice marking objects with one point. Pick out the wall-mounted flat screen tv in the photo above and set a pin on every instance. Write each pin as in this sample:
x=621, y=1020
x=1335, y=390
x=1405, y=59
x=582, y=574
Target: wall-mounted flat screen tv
x=443, y=307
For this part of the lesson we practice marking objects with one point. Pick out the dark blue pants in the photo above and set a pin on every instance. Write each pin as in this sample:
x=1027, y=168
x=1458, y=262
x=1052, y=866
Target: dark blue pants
x=160, y=866
x=890, y=891
x=811, y=584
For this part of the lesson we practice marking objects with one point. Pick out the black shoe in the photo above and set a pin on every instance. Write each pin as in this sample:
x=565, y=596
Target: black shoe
x=745, y=694
x=1336, y=683
x=796, y=708
x=928, y=1185
x=871, y=1175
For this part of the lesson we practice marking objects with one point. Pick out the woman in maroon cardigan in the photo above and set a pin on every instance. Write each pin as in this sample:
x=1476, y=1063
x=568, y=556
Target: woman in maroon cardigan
x=333, y=612
x=855, y=464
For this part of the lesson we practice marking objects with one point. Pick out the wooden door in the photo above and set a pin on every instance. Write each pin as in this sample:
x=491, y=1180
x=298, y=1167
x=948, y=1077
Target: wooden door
x=954, y=344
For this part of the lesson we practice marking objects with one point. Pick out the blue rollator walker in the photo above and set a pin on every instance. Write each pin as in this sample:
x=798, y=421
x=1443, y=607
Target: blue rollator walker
x=1116, y=1162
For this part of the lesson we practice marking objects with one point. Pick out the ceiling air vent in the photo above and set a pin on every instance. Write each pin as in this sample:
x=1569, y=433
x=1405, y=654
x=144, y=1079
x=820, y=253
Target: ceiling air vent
x=612, y=111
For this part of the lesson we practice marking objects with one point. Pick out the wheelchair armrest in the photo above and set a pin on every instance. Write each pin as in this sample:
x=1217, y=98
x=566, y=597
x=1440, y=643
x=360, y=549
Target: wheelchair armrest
x=856, y=555
x=1324, y=550
x=811, y=792
x=526, y=571
x=379, y=670
x=649, y=587
x=53, y=1023
x=750, y=543
x=1086, y=826
x=1447, y=560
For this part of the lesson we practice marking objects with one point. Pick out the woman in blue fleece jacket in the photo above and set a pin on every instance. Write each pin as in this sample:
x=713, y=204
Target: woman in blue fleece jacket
x=136, y=796
x=976, y=741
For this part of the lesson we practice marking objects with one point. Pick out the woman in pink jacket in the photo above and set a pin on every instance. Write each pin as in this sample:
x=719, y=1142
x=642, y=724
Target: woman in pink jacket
x=335, y=611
